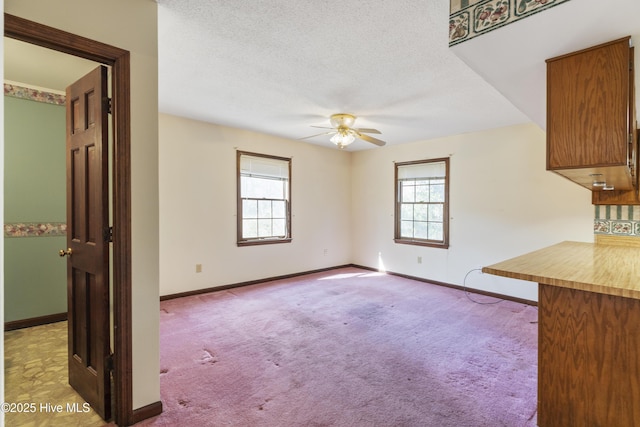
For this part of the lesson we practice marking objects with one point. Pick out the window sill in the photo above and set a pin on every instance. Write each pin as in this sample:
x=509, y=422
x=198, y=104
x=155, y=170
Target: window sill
x=428, y=243
x=263, y=242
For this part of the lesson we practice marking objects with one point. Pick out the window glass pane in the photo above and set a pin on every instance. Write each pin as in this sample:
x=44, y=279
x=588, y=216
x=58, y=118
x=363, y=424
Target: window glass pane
x=264, y=208
x=408, y=192
x=406, y=229
x=422, y=193
x=249, y=228
x=406, y=211
x=244, y=186
x=279, y=209
x=264, y=228
x=421, y=230
x=436, y=212
x=272, y=189
x=437, y=193
x=249, y=209
x=420, y=212
x=435, y=231
x=260, y=188
x=279, y=227
x=250, y=187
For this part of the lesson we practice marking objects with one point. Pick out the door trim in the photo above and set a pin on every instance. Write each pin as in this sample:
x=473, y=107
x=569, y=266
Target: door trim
x=62, y=41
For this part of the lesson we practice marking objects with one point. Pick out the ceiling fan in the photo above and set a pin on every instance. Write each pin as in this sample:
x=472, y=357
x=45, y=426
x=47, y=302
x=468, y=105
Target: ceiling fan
x=344, y=134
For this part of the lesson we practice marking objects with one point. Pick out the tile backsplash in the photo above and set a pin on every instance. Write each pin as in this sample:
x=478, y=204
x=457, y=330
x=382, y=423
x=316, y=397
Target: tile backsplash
x=617, y=220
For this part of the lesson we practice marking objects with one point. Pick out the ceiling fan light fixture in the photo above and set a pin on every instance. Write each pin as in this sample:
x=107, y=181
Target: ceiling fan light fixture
x=344, y=134
x=342, y=139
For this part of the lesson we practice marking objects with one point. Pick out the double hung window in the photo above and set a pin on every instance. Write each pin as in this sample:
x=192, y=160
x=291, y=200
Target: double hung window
x=264, y=199
x=422, y=203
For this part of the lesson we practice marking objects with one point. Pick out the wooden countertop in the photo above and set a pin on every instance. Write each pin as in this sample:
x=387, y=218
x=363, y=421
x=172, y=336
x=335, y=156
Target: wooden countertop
x=605, y=269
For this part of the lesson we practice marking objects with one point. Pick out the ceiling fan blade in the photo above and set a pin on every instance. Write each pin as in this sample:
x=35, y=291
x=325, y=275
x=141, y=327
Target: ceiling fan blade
x=321, y=127
x=370, y=139
x=366, y=130
x=319, y=134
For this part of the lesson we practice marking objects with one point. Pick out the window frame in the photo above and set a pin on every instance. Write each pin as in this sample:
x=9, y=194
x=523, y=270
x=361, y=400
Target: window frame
x=444, y=243
x=241, y=241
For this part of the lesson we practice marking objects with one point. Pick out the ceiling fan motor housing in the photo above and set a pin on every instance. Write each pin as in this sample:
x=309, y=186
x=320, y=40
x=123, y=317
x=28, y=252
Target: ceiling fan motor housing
x=342, y=120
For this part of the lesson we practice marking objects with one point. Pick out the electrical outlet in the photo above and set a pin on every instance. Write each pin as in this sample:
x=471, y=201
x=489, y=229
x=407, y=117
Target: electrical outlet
x=419, y=260
x=198, y=268
x=326, y=251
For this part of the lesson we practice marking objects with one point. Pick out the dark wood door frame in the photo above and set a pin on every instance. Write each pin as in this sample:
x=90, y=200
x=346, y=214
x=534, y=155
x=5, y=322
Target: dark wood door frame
x=42, y=35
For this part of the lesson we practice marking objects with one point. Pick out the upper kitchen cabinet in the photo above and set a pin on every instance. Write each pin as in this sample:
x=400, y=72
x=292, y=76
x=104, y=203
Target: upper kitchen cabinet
x=591, y=125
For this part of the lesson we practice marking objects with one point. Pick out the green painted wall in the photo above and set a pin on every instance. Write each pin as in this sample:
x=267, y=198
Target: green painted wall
x=34, y=191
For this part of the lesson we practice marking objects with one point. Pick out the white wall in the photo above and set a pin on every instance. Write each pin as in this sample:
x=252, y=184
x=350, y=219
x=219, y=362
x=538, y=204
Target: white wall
x=503, y=203
x=129, y=25
x=198, y=207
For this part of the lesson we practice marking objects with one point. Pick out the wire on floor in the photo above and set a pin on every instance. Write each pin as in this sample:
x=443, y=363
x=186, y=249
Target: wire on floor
x=467, y=293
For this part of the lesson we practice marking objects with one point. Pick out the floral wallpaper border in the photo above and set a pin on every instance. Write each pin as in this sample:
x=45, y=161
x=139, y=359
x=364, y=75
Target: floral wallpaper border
x=617, y=220
x=484, y=16
x=35, y=229
x=22, y=92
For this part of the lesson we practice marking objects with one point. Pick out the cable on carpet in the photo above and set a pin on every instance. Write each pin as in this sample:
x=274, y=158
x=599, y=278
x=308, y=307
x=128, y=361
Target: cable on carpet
x=467, y=293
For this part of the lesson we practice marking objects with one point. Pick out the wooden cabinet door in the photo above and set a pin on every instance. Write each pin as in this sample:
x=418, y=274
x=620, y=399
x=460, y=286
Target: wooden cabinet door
x=626, y=197
x=589, y=363
x=588, y=107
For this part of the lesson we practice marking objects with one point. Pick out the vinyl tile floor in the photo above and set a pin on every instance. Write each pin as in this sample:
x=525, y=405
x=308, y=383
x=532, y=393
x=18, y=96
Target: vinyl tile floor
x=37, y=392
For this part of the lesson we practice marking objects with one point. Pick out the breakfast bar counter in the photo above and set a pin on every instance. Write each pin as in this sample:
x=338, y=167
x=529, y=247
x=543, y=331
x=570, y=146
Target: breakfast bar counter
x=588, y=331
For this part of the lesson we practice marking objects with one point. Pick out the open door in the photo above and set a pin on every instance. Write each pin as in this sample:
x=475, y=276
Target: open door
x=88, y=239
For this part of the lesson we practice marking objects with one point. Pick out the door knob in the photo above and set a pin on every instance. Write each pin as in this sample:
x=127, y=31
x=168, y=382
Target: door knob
x=64, y=253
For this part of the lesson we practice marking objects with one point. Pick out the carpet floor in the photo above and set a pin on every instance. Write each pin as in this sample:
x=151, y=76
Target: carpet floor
x=346, y=347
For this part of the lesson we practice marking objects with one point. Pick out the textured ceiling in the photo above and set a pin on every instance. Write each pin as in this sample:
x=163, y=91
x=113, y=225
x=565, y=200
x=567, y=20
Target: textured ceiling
x=279, y=67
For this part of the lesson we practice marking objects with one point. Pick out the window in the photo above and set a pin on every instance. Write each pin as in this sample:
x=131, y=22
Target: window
x=264, y=207
x=422, y=203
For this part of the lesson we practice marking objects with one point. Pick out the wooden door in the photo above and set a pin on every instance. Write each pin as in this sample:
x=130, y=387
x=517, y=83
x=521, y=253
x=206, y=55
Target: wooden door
x=88, y=240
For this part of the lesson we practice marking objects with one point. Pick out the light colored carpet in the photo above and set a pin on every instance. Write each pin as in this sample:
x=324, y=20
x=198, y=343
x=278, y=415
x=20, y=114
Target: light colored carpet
x=346, y=347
